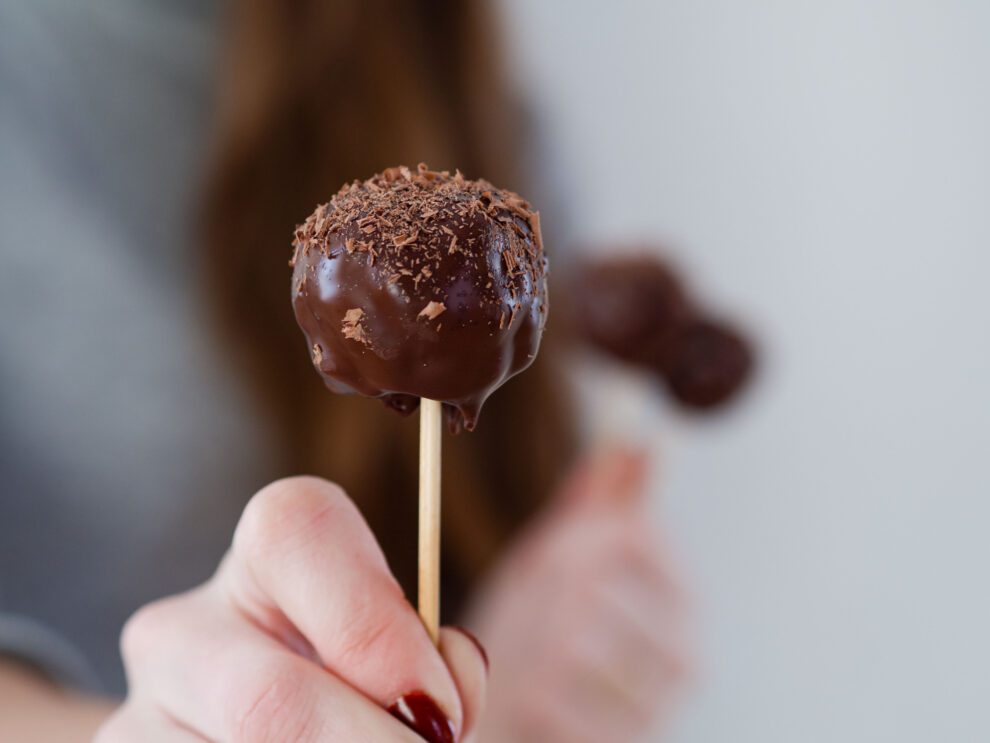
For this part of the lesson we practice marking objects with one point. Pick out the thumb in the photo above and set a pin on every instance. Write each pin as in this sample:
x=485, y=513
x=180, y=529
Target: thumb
x=468, y=664
x=613, y=475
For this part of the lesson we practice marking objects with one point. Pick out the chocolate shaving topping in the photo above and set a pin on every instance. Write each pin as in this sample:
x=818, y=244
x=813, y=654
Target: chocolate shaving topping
x=351, y=326
x=427, y=215
x=403, y=248
x=432, y=310
x=401, y=242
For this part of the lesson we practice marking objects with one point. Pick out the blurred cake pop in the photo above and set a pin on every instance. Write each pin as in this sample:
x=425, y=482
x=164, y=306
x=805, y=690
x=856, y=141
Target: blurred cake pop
x=632, y=308
x=635, y=308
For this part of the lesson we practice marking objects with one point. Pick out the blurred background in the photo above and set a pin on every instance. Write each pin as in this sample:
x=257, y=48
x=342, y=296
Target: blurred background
x=824, y=170
x=819, y=172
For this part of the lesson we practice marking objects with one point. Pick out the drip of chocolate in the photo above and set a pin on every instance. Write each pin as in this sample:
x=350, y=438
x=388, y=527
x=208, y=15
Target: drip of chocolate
x=417, y=284
x=639, y=311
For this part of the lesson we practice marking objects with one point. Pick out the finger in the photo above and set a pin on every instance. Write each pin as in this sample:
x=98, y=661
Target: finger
x=303, y=557
x=621, y=540
x=655, y=624
x=558, y=716
x=209, y=669
x=594, y=707
x=601, y=689
x=135, y=722
x=650, y=554
x=598, y=664
x=468, y=663
x=613, y=701
x=608, y=668
x=611, y=477
x=620, y=642
x=586, y=542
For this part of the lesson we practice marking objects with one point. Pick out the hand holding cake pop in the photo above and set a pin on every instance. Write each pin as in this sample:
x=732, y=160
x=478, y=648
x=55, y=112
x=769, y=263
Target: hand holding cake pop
x=420, y=289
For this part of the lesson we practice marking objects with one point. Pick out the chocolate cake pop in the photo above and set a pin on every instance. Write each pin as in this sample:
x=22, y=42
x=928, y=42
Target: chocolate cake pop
x=421, y=284
x=637, y=306
x=642, y=314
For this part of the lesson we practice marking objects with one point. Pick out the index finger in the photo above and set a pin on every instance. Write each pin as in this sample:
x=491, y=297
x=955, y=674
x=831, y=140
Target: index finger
x=306, y=567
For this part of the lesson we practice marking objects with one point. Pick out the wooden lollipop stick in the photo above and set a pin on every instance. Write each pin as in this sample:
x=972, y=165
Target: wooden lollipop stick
x=429, y=516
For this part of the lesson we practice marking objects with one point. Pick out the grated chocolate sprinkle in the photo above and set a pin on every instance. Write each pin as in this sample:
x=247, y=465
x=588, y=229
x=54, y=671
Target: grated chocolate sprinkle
x=351, y=326
x=402, y=218
x=432, y=310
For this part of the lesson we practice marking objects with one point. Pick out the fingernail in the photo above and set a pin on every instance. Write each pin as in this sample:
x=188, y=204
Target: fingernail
x=477, y=643
x=420, y=713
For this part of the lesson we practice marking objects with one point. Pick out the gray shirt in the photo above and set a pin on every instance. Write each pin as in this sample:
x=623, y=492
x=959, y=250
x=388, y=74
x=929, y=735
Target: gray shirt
x=126, y=448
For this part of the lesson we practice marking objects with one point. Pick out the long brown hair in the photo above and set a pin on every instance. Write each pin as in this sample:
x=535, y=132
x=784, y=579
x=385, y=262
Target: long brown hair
x=315, y=94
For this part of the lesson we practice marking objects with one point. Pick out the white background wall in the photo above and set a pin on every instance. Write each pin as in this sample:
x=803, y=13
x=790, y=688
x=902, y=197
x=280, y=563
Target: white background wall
x=824, y=169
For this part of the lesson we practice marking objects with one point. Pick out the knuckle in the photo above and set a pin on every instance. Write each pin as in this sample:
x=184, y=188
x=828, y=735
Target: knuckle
x=277, y=705
x=143, y=630
x=117, y=727
x=371, y=630
x=286, y=511
x=109, y=732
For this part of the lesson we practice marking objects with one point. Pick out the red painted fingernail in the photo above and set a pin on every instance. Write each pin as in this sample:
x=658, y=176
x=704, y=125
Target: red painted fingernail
x=477, y=643
x=420, y=713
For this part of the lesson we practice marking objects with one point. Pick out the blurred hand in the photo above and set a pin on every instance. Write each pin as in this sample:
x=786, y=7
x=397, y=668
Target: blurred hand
x=302, y=635
x=584, y=621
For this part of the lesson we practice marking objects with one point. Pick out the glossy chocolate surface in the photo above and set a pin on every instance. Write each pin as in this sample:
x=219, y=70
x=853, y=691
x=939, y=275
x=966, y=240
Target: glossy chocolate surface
x=421, y=284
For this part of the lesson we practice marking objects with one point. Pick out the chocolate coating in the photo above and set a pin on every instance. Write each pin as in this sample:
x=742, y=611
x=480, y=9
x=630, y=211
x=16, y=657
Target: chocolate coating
x=421, y=284
x=709, y=363
x=637, y=309
x=632, y=308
